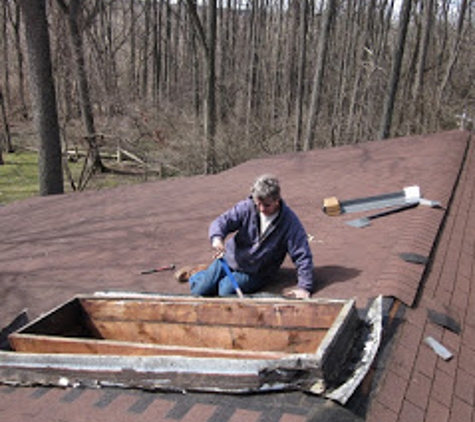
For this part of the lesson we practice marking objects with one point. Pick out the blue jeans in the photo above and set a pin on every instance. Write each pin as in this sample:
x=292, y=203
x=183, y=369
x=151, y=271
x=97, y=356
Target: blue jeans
x=214, y=282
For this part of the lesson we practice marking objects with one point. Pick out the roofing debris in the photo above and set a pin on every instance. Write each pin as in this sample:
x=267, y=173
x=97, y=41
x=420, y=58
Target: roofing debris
x=444, y=320
x=408, y=198
x=438, y=348
x=414, y=258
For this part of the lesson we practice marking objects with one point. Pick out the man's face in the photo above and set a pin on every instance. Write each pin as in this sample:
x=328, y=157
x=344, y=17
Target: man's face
x=267, y=206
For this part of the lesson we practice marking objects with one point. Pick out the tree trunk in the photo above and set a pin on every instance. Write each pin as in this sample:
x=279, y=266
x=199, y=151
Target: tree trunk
x=5, y=51
x=210, y=110
x=398, y=54
x=424, y=47
x=43, y=96
x=196, y=78
x=322, y=51
x=275, y=84
x=291, y=55
x=133, y=53
x=156, y=52
x=145, y=49
x=208, y=43
x=168, y=51
x=19, y=53
x=83, y=87
x=417, y=98
x=454, y=51
x=6, y=126
x=252, y=72
x=303, y=22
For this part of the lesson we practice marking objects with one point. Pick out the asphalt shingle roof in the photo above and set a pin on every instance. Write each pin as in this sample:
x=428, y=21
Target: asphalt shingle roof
x=55, y=247
x=416, y=384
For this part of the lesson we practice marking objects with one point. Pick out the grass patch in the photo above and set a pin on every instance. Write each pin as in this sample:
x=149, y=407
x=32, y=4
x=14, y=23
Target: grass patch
x=18, y=176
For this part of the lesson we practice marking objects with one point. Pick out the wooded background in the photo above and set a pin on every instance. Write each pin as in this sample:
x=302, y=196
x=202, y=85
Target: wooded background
x=198, y=87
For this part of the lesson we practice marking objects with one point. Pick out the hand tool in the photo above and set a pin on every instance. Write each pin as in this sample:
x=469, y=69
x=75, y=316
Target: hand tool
x=366, y=221
x=159, y=269
x=231, y=277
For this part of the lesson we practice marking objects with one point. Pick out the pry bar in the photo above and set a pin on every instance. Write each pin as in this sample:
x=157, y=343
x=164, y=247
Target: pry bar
x=159, y=269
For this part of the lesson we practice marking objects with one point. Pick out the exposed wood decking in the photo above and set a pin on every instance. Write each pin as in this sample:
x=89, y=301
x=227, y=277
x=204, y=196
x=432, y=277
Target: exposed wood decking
x=193, y=327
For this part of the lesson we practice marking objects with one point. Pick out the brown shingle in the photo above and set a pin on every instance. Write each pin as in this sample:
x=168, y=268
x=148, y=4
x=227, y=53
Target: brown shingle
x=444, y=390
x=55, y=247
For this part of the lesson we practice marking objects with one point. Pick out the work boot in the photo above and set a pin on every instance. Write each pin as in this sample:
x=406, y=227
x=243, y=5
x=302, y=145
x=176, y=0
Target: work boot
x=184, y=273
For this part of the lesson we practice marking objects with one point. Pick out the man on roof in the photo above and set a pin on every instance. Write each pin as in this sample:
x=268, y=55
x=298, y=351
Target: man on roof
x=265, y=230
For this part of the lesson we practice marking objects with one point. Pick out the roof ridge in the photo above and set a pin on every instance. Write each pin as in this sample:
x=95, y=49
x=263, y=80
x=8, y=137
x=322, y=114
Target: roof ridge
x=420, y=236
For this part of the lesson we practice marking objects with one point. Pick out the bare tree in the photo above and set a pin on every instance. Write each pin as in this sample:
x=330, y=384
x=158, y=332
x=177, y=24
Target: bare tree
x=289, y=63
x=72, y=11
x=277, y=32
x=428, y=14
x=282, y=75
x=2, y=136
x=316, y=99
x=145, y=48
x=133, y=51
x=43, y=96
x=5, y=50
x=455, y=50
x=253, y=69
x=207, y=40
x=156, y=52
x=6, y=125
x=16, y=24
x=303, y=22
x=394, y=77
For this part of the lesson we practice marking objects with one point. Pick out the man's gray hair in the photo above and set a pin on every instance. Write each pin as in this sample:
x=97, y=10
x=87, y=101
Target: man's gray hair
x=266, y=186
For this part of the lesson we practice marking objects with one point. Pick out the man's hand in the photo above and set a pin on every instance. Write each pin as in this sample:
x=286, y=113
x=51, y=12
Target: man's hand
x=218, y=247
x=296, y=293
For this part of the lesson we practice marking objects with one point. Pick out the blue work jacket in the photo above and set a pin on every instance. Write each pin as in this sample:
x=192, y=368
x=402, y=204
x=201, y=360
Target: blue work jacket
x=262, y=255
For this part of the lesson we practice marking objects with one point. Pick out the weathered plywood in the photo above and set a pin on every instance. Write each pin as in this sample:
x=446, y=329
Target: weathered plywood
x=213, y=336
x=286, y=326
x=153, y=324
x=26, y=343
x=280, y=314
